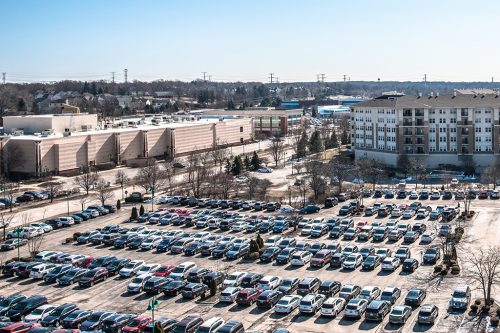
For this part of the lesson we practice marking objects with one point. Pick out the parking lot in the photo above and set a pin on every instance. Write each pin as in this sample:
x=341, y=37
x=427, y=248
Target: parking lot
x=112, y=294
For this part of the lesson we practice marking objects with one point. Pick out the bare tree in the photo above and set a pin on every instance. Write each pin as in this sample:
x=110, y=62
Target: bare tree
x=484, y=268
x=277, y=150
x=169, y=168
x=417, y=169
x=87, y=179
x=225, y=184
x=219, y=156
x=369, y=170
x=491, y=175
x=340, y=170
x=298, y=167
x=317, y=181
x=52, y=188
x=122, y=179
x=264, y=186
x=84, y=199
x=152, y=179
x=5, y=221
x=252, y=187
x=103, y=191
x=10, y=190
x=34, y=243
x=197, y=174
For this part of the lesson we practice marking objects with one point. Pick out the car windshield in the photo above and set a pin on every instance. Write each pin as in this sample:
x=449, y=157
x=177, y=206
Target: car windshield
x=72, y=272
x=397, y=312
x=370, y=259
x=459, y=294
x=351, y=307
x=137, y=280
x=37, y=312
x=72, y=315
x=413, y=294
x=134, y=322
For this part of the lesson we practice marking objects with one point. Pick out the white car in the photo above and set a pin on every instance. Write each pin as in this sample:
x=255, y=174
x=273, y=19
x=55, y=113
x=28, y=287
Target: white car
x=39, y=313
x=66, y=221
x=369, y=293
x=137, y=283
x=333, y=306
x=413, y=195
x=396, y=212
x=435, y=195
x=408, y=214
x=422, y=213
x=239, y=226
x=45, y=255
x=427, y=238
x=306, y=230
x=26, y=232
x=272, y=241
x=150, y=242
x=301, y=258
x=269, y=282
x=201, y=236
x=383, y=252
x=287, y=304
x=391, y=264
x=352, y=261
x=355, y=308
x=181, y=271
x=131, y=268
x=43, y=226
x=229, y=294
x=454, y=182
x=234, y=279
x=39, y=271
x=148, y=269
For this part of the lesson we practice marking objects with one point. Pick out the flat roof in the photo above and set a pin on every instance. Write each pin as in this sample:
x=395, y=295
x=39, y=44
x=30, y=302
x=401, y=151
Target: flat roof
x=52, y=115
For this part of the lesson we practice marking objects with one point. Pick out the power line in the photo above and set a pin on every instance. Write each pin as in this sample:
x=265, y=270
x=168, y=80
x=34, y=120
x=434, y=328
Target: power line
x=322, y=77
x=204, y=76
x=113, y=77
x=345, y=76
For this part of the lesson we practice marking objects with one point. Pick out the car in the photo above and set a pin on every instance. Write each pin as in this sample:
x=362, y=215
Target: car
x=415, y=297
x=319, y=230
x=332, y=306
x=13, y=243
x=311, y=303
x=197, y=274
x=302, y=246
x=229, y=294
x=383, y=252
x=39, y=313
x=460, y=298
x=352, y=261
x=285, y=255
x=409, y=265
x=337, y=260
x=248, y=296
x=8, y=302
x=250, y=280
x=174, y=287
x=301, y=258
x=269, y=282
x=377, y=310
x=287, y=304
x=411, y=237
x=137, y=324
x=209, y=326
x=403, y=252
x=390, y=294
x=75, y=318
x=93, y=276
x=58, y=314
x=346, y=210
x=310, y=209
x=182, y=270
x=84, y=237
x=115, y=322
x=316, y=247
x=331, y=201
x=137, y=283
x=194, y=290
x=369, y=293
x=238, y=251
x=395, y=235
x=131, y=268
x=380, y=234
x=234, y=279
x=431, y=255
x=71, y=276
x=355, y=308
x=321, y=258
x=427, y=238
x=349, y=291
x=308, y=285
x=399, y=314
x=428, y=314
x=329, y=288
x=371, y=262
x=95, y=320
x=289, y=285
x=351, y=233
x=270, y=254
x=367, y=251
x=391, y=264
x=231, y=326
x=20, y=327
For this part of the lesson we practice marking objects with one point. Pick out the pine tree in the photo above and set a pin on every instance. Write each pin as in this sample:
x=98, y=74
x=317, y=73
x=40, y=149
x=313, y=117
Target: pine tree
x=344, y=138
x=133, y=214
x=332, y=141
x=141, y=210
x=315, y=144
x=237, y=166
x=302, y=145
x=228, y=166
x=255, y=161
x=247, y=162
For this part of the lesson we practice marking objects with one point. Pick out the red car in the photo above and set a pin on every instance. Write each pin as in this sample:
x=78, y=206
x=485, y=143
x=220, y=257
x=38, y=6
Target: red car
x=85, y=263
x=66, y=331
x=321, y=258
x=165, y=270
x=248, y=296
x=361, y=224
x=183, y=212
x=137, y=324
x=19, y=327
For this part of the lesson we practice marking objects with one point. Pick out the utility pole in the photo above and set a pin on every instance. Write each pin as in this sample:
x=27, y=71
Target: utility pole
x=210, y=78
x=345, y=76
x=112, y=77
x=271, y=77
x=3, y=77
x=425, y=80
x=204, y=76
x=125, y=71
x=322, y=77
x=492, y=81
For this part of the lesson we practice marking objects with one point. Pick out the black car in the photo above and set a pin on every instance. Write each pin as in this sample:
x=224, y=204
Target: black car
x=196, y=275
x=415, y=297
x=10, y=268
x=329, y=288
x=193, y=290
x=117, y=264
x=56, y=273
x=250, y=280
x=220, y=250
x=124, y=240
x=285, y=255
x=165, y=244
x=93, y=276
x=165, y=323
x=174, y=288
x=23, y=270
x=218, y=277
x=55, y=316
x=409, y=265
x=232, y=326
x=288, y=285
x=330, y=202
x=22, y=308
x=110, y=208
x=336, y=232
x=188, y=324
x=114, y=323
x=7, y=303
x=270, y=254
x=371, y=262
x=337, y=260
x=268, y=299
x=75, y=318
x=193, y=248
x=155, y=284
x=266, y=226
x=71, y=276
x=94, y=321
x=101, y=261
x=207, y=248
x=136, y=242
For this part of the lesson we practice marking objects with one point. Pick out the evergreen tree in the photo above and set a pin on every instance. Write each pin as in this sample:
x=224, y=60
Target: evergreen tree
x=86, y=87
x=302, y=145
x=228, y=166
x=237, y=166
x=332, y=141
x=344, y=138
x=315, y=143
x=230, y=105
x=141, y=210
x=93, y=88
x=34, y=108
x=118, y=204
x=133, y=214
x=255, y=161
x=248, y=164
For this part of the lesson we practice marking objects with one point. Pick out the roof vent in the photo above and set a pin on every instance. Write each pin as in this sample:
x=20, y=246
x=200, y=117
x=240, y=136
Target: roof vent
x=437, y=94
x=454, y=94
x=482, y=96
x=475, y=95
x=497, y=93
x=419, y=94
x=431, y=94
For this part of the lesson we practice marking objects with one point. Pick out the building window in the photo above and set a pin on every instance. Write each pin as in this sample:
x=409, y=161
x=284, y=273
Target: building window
x=241, y=129
x=241, y=140
x=487, y=129
x=478, y=139
x=432, y=121
x=477, y=120
x=432, y=139
x=453, y=130
x=487, y=120
x=478, y=130
x=432, y=130
x=453, y=120
x=453, y=139
x=432, y=148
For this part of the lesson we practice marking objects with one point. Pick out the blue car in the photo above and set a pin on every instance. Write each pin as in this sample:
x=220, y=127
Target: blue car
x=280, y=226
x=310, y=209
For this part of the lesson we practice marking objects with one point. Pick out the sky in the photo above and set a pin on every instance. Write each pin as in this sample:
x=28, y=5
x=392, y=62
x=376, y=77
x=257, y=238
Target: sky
x=245, y=40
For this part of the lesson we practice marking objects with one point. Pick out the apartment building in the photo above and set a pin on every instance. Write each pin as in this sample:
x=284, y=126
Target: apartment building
x=438, y=128
x=127, y=142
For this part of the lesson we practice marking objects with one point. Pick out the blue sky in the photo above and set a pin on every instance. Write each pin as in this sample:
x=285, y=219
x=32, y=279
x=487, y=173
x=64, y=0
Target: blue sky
x=246, y=39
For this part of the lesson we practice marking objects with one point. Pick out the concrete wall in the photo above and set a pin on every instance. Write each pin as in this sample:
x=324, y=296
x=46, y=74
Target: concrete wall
x=191, y=138
x=36, y=124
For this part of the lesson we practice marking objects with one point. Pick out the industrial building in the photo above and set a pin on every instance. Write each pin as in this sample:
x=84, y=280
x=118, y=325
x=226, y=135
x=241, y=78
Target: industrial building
x=437, y=128
x=63, y=143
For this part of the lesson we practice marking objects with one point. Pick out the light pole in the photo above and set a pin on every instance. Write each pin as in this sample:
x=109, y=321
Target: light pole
x=67, y=203
x=152, y=307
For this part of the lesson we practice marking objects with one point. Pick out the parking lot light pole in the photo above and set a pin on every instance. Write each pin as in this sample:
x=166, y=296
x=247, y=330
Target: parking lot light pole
x=152, y=307
x=18, y=232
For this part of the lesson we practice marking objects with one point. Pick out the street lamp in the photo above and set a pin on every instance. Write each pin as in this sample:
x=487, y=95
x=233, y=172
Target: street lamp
x=152, y=307
x=18, y=232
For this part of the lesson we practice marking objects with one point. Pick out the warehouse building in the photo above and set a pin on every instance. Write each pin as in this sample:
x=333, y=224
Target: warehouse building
x=446, y=129
x=43, y=149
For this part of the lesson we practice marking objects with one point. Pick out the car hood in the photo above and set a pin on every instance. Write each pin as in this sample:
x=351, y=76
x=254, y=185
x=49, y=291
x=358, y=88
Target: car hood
x=458, y=300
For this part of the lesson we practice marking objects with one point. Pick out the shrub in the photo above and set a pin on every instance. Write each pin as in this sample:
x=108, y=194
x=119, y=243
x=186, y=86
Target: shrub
x=252, y=256
x=455, y=269
x=474, y=308
x=76, y=235
x=260, y=242
x=68, y=240
x=494, y=321
x=118, y=205
x=254, y=247
x=438, y=268
x=133, y=214
x=477, y=302
x=444, y=272
x=25, y=259
x=141, y=210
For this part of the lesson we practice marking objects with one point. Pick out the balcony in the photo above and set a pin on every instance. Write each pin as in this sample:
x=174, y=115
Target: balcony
x=419, y=122
x=419, y=113
x=465, y=141
x=465, y=131
x=407, y=131
x=407, y=122
x=408, y=141
x=407, y=113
